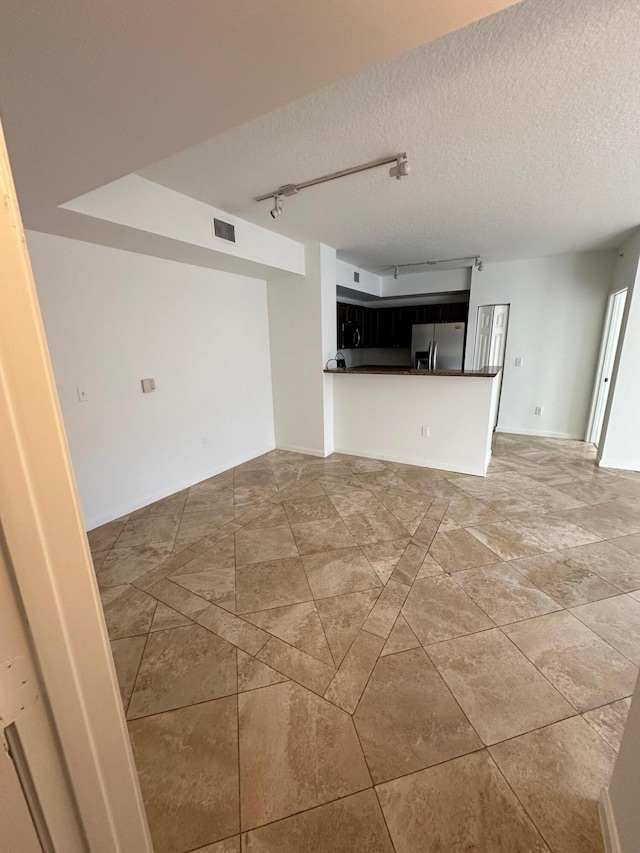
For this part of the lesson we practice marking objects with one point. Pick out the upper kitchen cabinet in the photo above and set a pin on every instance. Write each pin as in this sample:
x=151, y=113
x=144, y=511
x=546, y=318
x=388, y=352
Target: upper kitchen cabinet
x=388, y=328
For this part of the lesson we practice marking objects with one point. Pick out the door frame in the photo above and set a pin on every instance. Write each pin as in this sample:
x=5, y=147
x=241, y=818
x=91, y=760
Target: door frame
x=606, y=358
x=48, y=555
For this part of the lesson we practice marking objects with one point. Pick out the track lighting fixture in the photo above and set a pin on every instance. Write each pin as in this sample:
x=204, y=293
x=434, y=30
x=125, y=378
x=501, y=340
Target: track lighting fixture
x=468, y=261
x=278, y=204
x=399, y=170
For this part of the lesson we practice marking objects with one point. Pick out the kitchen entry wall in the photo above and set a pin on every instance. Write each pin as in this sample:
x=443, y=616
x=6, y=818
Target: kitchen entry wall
x=113, y=318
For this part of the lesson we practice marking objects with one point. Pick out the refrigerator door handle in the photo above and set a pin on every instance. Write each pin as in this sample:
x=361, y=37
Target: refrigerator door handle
x=434, y=355
x=356, y=337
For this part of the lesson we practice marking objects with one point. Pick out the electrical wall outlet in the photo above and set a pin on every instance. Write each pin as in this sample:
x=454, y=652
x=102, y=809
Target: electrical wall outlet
x=148, y=385
x=81, y=391
x=518, y=362
x=425, y=432
x=538, y=410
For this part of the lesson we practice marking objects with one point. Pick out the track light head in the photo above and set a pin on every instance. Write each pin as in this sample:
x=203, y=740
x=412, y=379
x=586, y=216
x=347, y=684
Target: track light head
x=278, y=204
x=401, y=169
x=480, y=266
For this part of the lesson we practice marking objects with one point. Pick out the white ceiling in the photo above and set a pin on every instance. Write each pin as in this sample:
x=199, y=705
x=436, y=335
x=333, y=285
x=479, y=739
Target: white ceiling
x=522, y=130
x=91, y=90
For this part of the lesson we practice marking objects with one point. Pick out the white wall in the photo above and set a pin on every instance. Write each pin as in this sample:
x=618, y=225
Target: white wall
x=433, y=281
x=620, y=441
x=382, y=417
x=557, y=307
x=140, y=204
x=369, y=282
x=302, y=325
x=113, y=318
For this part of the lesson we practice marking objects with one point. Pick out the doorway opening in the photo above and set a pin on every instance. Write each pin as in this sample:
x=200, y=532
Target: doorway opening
x=606, y=359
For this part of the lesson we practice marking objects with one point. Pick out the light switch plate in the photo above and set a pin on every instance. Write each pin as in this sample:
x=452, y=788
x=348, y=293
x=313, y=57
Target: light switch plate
x=148, y=385
x=83, y=397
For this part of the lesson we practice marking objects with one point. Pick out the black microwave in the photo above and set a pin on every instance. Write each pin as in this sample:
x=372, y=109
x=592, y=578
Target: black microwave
x=350, y=335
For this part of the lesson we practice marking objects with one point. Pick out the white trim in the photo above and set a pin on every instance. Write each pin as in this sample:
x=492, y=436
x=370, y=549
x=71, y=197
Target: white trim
x=541, y=433
x=125, y=509
x=309, y=451
x=408, y=460
x=608, y=823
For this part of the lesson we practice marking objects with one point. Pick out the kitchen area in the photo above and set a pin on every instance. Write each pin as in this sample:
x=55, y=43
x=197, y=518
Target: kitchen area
x=400, y=390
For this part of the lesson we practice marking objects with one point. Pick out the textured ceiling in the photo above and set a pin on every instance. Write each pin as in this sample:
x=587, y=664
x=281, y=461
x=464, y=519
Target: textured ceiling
x=522, y=130
x=91, y=90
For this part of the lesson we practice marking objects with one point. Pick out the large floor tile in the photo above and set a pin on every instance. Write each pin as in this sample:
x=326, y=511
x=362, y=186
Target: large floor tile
x=215, y=585
x=628, y=543
x=297, y=624
x=160, y=530
x=233, y=629
x=499, y=690
x=196, y=525
x=380, y=526
x=329, y=534
x=613, y=564
x=558, y=774
x=616, y=620
x=274, y=583
x=554, y=531
x=566, y=581
x=438, y=609
x=312, y=673
x=407, y=719
x=609, y=721
x=504, y=594
x=586, y=670
x=351, y=678
x=342, y=616
x=386, y=609
x=355, y=502
x=252, y=673
x=616, y=518
x=103, y=538
x=401, y=638
x=339, y=572
x=127, y=654
x=127, y=611
x=187, y=763
x=309, y=509
x=261, y=546
x=297, y=751
x=384, y=556
x=124, y=565
x=351, y=825
x=462, y=805
x=458, y=549
x=182, y=666
x=508, y=542
x=220, y=556
x=466, y=511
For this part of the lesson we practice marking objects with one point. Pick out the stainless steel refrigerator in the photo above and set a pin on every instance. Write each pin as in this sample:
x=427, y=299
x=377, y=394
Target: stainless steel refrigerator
x=437, y=346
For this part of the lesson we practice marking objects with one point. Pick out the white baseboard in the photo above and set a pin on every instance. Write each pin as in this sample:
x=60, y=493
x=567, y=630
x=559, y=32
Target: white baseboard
x=540, y=433
x=608, y=824
x=407, y=460
x=132, y=506
x=308, y=451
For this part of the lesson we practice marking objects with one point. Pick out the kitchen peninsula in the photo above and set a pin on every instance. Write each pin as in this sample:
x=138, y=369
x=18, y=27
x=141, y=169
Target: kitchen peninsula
x=440, y=419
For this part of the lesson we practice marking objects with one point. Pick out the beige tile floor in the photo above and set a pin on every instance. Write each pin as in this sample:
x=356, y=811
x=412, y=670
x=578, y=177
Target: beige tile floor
x=356, y=656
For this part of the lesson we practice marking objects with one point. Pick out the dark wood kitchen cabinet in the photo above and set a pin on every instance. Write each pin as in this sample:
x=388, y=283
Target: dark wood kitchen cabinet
x=390, y=327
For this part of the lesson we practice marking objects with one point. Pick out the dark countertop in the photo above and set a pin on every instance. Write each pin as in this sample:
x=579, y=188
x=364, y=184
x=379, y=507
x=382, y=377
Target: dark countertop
x=485, y=373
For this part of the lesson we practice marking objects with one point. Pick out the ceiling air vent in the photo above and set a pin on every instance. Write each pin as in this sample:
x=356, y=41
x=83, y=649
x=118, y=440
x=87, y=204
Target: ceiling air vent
x=224, y=230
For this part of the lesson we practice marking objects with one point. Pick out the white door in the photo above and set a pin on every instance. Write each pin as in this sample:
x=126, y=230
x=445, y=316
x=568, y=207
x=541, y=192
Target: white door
x=483, y=337
x=606, y=360
x=498, y=335
x=491, y=336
